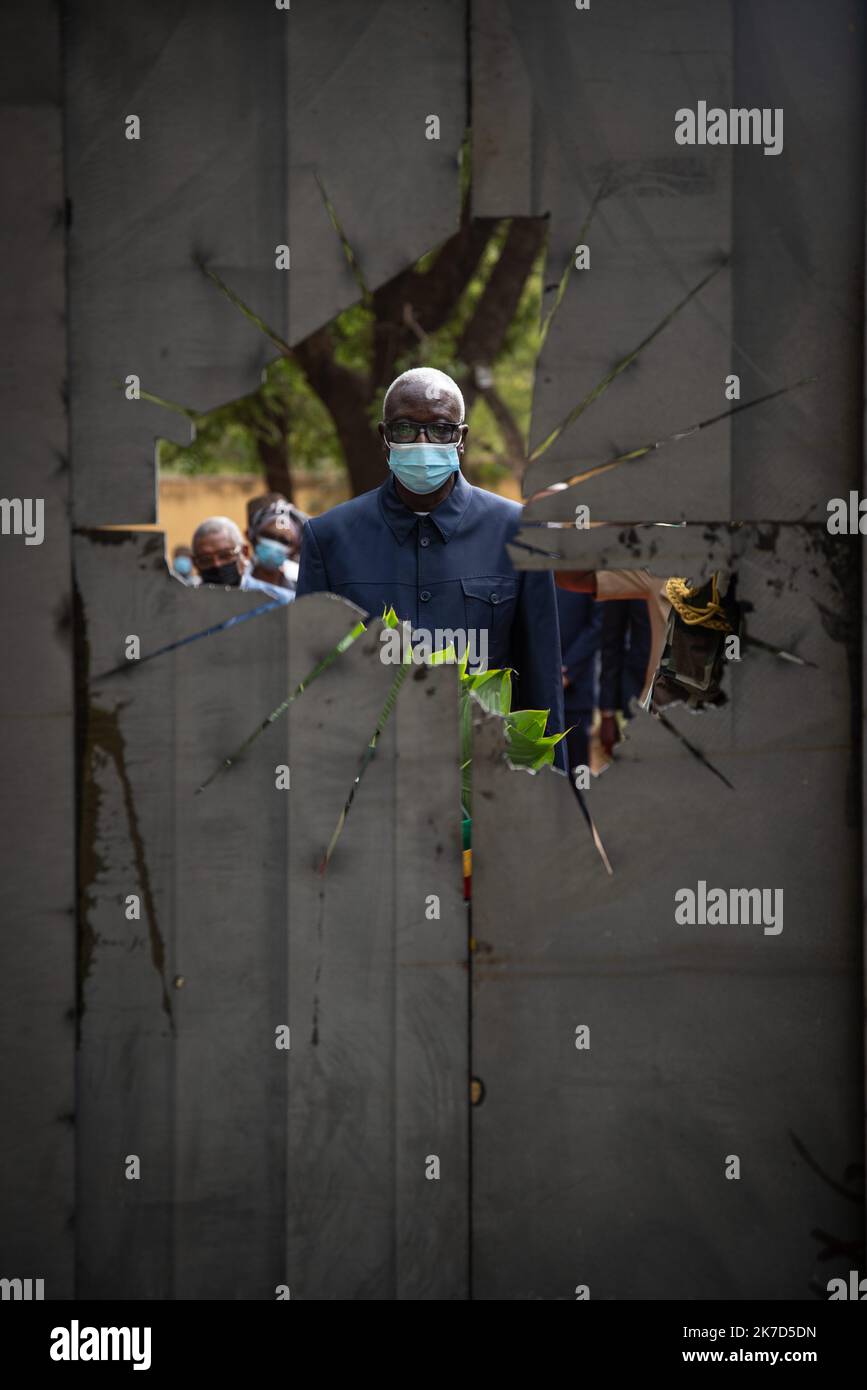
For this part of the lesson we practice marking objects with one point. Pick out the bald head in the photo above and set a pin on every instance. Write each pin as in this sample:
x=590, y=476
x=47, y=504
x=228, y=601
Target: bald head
x=424, y=393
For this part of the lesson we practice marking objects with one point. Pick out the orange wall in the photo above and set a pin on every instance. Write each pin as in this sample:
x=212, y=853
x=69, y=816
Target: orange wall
x=185, y=502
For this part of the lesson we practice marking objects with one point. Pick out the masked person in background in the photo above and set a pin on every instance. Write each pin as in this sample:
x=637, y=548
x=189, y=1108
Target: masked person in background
x=274, y=531
x=222, y=556
x=432, y=546
x=182, y=566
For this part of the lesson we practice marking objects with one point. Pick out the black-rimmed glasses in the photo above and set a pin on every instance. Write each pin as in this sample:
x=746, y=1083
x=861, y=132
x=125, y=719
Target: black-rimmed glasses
x=435, y=431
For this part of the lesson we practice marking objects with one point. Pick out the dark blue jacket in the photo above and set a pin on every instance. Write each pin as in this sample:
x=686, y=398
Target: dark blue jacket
x=580, y=627
x=446, y=570
x=625, y=648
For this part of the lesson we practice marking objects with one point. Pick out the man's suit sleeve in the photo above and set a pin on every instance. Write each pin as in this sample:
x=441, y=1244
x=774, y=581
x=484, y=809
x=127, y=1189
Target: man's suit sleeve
x=537, y=654
x=585, y=643
x=614, y=620
x=312, y=574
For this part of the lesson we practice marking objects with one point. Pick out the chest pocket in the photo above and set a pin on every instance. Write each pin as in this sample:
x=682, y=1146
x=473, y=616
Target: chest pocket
x=490, y=603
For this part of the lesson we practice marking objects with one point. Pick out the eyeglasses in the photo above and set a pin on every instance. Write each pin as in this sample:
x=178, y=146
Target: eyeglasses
x=216, y=557
x=408, y=431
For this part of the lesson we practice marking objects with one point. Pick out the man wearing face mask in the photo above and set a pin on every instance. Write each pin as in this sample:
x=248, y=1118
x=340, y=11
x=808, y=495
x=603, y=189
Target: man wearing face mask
x=274, y=531
x=182, y=566
x=222, y=556
x=432, y=546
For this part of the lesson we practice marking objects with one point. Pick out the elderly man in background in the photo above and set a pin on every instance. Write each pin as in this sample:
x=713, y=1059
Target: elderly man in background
x=222, y=556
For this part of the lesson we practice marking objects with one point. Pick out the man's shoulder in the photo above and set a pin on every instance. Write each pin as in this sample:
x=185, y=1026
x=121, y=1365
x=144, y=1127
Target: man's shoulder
x=345, y=514
x=273, y=591
x=493, y=502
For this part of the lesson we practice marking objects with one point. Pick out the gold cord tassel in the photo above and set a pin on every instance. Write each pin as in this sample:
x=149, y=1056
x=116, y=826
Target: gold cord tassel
x=710, y=614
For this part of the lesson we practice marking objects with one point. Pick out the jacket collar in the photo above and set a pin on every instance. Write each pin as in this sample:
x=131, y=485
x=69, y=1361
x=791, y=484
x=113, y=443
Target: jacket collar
x=447, y=517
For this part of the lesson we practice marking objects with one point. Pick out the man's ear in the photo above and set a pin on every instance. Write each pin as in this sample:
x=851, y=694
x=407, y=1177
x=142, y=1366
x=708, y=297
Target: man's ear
x=462, y=440
x=381, y=428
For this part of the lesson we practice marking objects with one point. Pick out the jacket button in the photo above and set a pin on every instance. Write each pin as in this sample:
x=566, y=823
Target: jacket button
x=495, y=598
x=425, y=540
x=424, y=595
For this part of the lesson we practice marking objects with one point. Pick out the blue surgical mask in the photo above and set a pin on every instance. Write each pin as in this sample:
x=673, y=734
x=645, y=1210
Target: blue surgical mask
x=183, y=564
x=423, y=467
x=272, y=554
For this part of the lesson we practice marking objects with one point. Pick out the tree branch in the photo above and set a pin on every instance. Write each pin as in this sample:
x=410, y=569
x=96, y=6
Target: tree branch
x=432, y=296
x=508, y=426
x=346, y=396
x=484, y=335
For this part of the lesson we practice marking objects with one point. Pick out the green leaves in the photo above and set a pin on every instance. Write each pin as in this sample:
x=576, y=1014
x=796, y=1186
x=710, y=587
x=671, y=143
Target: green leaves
x=493, y=689
x=527, y=744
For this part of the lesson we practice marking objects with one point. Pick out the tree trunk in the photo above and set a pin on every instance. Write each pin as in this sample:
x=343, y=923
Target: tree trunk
x=273, y=448
x=346, y=396
x=365, y=461
x=516, y=454
x=484, y=335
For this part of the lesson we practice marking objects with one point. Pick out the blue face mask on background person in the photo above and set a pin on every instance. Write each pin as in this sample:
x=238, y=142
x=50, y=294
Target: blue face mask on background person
x=183, y=565
x=272, y=554
x=423, y=467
